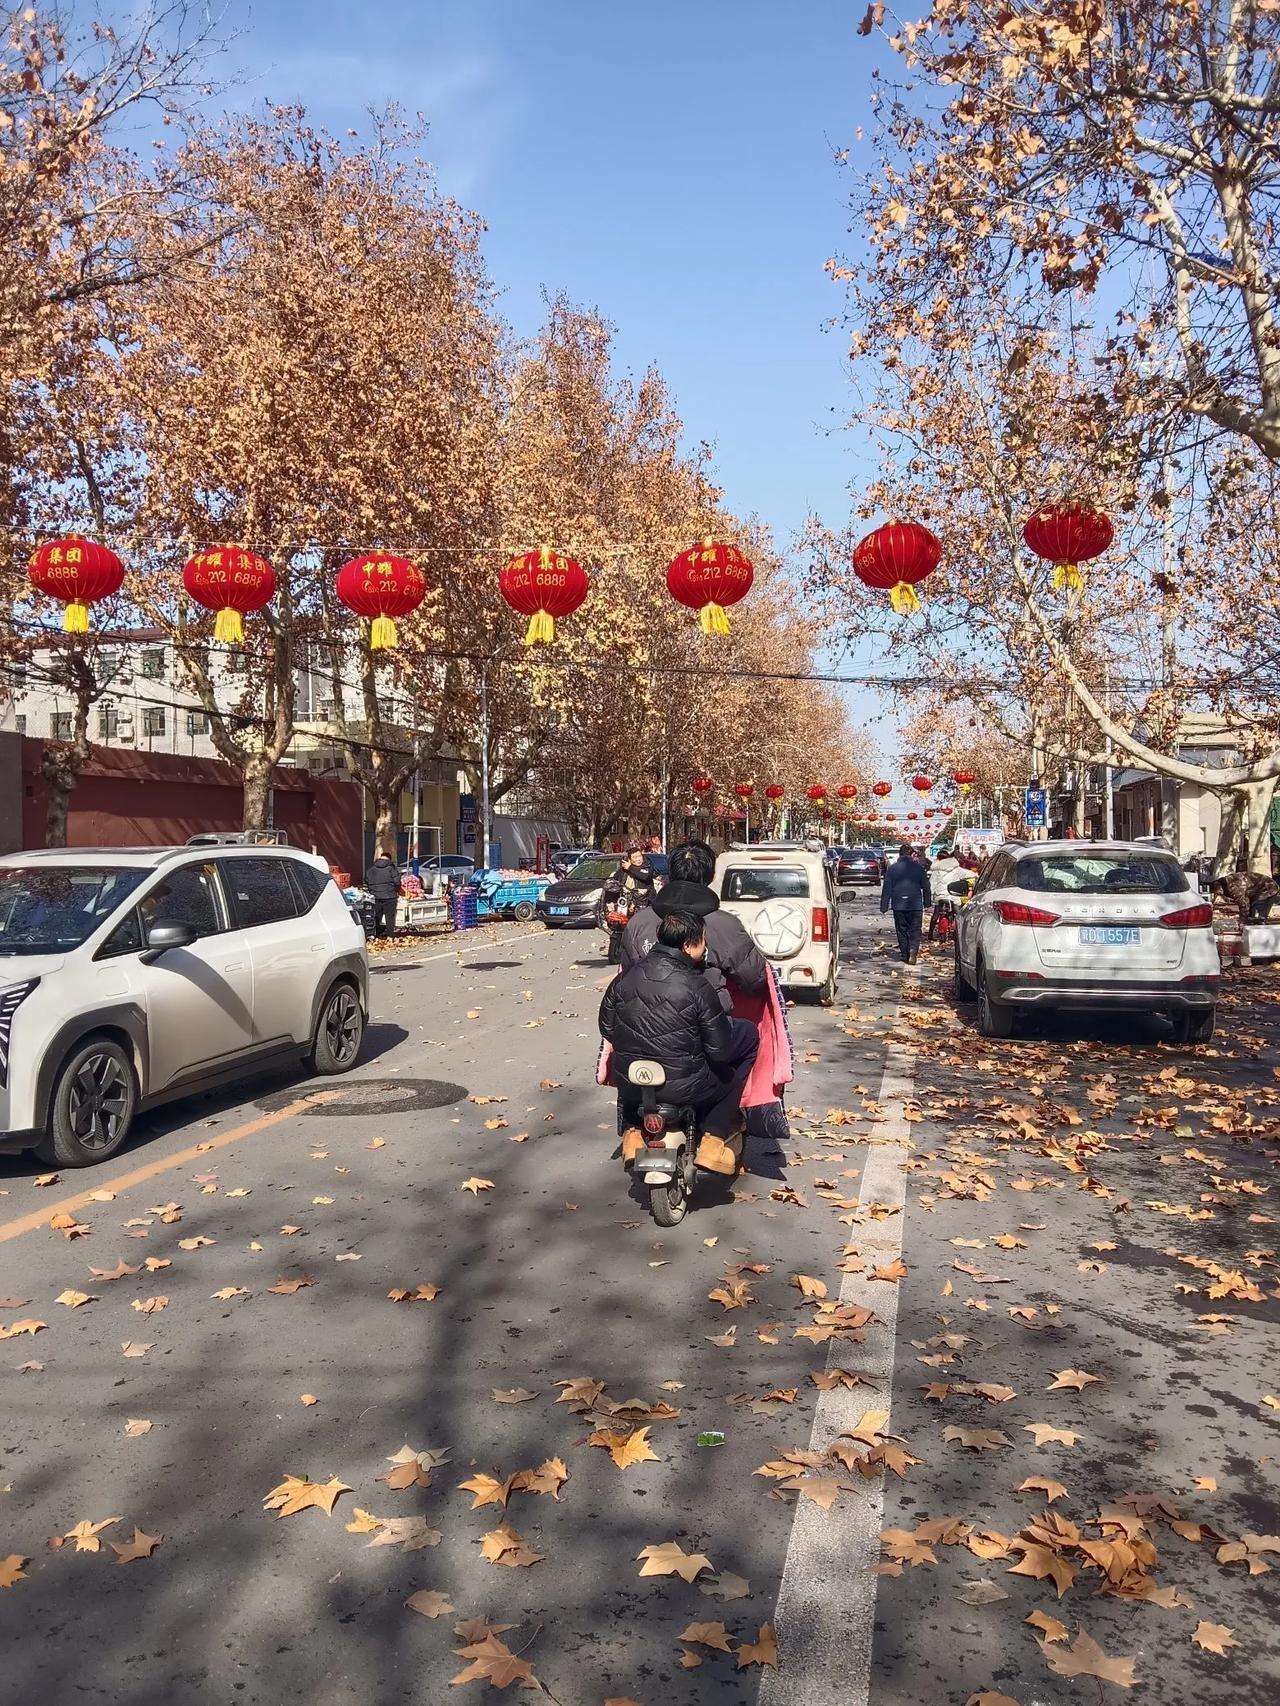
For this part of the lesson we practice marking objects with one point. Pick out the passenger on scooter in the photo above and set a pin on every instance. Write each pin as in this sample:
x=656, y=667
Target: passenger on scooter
x=665, y=1009
x=732, y=956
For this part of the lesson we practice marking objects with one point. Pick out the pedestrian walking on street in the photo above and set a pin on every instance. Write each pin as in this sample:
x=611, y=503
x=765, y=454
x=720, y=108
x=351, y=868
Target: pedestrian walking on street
x=382, y=880
x=906, y=892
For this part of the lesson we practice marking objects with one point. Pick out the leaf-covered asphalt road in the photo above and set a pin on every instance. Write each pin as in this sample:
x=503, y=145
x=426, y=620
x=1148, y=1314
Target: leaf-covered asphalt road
x=1066, y=1243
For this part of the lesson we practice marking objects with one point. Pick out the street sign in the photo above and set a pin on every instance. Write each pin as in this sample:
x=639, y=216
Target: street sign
x=1035, y=809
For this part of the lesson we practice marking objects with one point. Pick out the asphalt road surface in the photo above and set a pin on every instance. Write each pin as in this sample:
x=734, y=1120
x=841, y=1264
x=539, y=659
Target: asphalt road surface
x=1018, y=1218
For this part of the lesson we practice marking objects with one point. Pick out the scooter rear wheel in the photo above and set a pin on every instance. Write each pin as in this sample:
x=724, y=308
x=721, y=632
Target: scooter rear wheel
x=668, y=1203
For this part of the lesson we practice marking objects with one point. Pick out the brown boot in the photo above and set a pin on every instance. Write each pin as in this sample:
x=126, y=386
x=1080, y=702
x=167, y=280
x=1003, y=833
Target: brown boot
x=716, y=1156
x=632, y=1144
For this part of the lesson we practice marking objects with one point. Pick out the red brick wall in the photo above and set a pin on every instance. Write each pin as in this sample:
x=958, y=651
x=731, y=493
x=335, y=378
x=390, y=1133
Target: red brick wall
x=142, y=799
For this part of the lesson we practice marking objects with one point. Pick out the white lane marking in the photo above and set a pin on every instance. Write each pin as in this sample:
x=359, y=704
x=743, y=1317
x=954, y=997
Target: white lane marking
x=827, y=1601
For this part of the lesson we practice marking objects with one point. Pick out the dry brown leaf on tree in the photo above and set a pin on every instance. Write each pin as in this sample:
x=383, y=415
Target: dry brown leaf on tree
x=1084, y=1657
x=296, y=1493
x=1214, y=1637
x=12, y=1569
x=670, y=1559
x=141, y=1546
x=762, y=1651
x=428, y=1603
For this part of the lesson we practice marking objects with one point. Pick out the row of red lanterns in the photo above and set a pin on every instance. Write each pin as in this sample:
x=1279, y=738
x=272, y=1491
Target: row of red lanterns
x=897, y=557
x=380, y=586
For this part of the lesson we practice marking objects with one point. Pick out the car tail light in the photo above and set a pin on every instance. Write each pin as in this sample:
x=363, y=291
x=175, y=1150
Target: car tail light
x=655, y=1124
x=1190, y=918
x=821, y=931
x=1014, y=912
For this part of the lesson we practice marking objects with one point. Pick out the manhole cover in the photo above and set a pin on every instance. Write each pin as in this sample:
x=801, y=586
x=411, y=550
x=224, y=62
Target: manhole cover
x=372, y=1096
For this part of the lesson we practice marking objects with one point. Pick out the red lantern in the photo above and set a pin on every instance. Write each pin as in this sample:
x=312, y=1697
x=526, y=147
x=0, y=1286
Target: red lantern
x=847, y=791
x=702, y=784
x=707, y=578
x=543, y=585
x=882, y=790
x=921, y=784
x=817, y=793
x=1067, y=535
x=232, y=581
x=890, y=818
x=928, y=812
x=774, y=791
x=381, y=588
x=911, y=817
x=963, y=779
x=947, y=810
x=77, y=572
x=897, y=556
x=744, y=790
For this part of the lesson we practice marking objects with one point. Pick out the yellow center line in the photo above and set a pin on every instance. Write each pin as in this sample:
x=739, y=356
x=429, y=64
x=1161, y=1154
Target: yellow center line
x=164, y=1164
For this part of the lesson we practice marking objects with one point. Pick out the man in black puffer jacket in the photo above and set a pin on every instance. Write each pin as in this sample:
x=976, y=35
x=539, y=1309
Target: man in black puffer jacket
x=664, y=1009
x=732, y=957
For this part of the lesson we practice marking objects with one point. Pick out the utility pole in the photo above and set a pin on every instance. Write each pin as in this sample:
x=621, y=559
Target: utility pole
x=1109, y=826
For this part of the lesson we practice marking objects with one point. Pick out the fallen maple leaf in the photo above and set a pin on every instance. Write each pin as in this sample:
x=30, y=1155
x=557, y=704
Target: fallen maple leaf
x=31, y=1328
x=1050, y=1627
x=296, y=1493
x=11, y=1569
x=1214, y=1637
x=514, y=1395
x=670, y=1559
x=505, y=1546
x=135, y=1427
x=122, y=1270
x=626, y=1449
x=475, y=1186
x=1073, y=1380
x=1044, y=1433
x=1085, y=1657
x=895, y=1270
x=1040, y=1484
x=978, y=1439
x=74, y=1299
x=141, y=1546
x=130, y=1349
x=287, y=1287
x=409, y=1533
x=419, y=1294
x=197, y=1243
x=762, y=1651
x=428, y=1603
x=85, y=1534
x=229, y=1291
x=492, y=1661
x=726, y=1587
x=981, y=1592
x=806, y=1286
x=1040, y=1561
x=707, y=1635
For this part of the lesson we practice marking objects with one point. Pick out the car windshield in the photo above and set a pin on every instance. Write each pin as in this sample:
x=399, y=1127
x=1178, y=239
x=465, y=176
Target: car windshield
x=1138, y=872
x=765, y=882
x=46, y=909
x=594, y=870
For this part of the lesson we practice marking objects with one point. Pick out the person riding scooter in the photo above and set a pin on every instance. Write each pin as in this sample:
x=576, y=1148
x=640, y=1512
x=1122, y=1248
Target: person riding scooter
x=732, y=956
x=664, y=1009
x=630, y=887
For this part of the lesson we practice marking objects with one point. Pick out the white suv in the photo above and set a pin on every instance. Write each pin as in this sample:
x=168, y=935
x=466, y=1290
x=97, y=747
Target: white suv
x=1094, y=924
x=131, y=976
x=785, y=894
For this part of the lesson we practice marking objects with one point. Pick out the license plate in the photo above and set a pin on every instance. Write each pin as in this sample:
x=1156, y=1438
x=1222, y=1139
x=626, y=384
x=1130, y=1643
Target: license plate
x=558, y=911
x=1111, y=935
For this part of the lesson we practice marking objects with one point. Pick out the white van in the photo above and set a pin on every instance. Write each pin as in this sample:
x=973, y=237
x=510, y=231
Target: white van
x=784, y=892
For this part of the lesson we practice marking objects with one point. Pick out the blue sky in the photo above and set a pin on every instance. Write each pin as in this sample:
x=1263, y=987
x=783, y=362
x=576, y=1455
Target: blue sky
x=669, y=164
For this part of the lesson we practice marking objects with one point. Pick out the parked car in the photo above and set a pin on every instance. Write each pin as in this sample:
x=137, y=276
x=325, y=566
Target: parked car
x=1087, y=925
x=453, y=865
x=130, y=976
x=563, y=859
x=785, y=895
x=859, y=865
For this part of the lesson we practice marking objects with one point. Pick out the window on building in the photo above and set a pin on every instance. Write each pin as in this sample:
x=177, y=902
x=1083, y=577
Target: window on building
x=108, y=718
x=197, y=723
x=261, y=890
x=108, y=664
x=151, y=665
x=20, y=722
x=153, y=721
x=60, y=725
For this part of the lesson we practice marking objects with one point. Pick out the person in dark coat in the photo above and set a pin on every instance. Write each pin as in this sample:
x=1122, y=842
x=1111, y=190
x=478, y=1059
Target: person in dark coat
x=664, y=1009
x=732, y=956
x=906, y=892
x=382, y=880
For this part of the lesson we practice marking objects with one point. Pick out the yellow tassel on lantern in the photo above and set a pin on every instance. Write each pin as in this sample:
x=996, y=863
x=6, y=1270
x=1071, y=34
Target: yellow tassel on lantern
x=541, y=630
x=903, y=599
x=75, y=618
x=228, y=627
x=1066, y=576
x=714, y=619
x=382, y=636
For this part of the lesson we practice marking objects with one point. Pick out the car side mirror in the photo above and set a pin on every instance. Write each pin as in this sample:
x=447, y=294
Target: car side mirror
x=963, y=886
x=162, y=938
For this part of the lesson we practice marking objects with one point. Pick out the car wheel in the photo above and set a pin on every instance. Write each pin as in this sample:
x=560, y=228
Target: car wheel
x=524, y=910
x=995, y=1018
x=1194, y=1027
x=339, y=1031
x=94, y=1101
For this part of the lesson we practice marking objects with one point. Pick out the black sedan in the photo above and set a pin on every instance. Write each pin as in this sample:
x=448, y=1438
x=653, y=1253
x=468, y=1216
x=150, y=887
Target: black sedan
x=575, y=898
x=859, y=865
